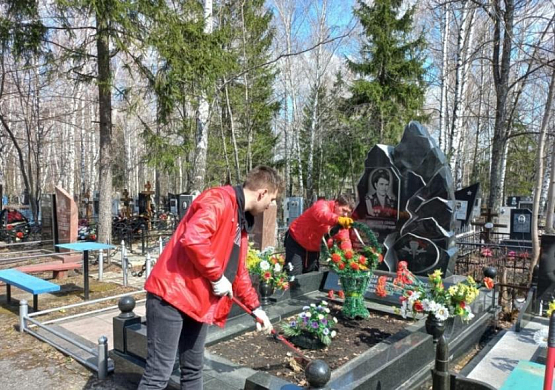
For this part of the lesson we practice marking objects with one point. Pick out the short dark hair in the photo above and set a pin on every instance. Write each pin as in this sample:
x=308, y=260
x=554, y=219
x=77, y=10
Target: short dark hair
x=263, y=176
x=379, y=174
x=345, y=200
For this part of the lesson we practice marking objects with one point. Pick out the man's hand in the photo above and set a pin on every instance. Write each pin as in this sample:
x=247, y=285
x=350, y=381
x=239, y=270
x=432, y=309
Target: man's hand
x=345, y=222
x=222, y=287
x=266, y=326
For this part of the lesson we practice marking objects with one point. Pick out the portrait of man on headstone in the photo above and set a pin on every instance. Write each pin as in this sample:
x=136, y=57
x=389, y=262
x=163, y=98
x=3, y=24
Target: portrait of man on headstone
x=381, y=200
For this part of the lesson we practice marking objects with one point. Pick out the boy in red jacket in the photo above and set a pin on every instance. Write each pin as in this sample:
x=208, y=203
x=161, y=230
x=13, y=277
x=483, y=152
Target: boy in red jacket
x=200, y=269
x=303, y=239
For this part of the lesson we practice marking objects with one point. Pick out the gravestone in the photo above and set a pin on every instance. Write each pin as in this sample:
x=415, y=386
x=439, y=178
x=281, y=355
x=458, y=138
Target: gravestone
x=67, y=217
x=265, y=228
x=464, y=203
x=293, y=209
x=546, y=274
x=521, y=224
x=47, y=218
x=412, y=189
x=185, y=201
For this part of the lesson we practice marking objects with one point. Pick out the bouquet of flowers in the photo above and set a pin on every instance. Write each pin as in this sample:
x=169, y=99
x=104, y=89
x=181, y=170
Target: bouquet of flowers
x=433, y=298
x=313, y=320
x=269, y=266
x=345, y=260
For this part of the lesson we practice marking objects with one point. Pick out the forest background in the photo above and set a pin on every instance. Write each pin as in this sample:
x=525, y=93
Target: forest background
x=102, y=95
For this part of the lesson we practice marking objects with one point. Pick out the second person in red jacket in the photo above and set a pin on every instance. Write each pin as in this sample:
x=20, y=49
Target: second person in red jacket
x=303, y=239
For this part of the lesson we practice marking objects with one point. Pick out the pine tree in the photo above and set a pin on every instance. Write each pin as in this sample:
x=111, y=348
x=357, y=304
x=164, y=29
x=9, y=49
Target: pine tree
x=390, y=91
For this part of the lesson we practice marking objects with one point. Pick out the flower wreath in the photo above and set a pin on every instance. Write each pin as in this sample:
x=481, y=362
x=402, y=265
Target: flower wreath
x=343, y=259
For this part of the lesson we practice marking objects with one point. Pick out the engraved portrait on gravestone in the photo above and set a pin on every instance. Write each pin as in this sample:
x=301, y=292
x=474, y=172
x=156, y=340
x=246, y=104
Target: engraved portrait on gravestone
x=381, y=199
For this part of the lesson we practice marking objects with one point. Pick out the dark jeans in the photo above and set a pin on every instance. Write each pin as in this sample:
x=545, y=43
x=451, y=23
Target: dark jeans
x=303, y=261
x=170, y=331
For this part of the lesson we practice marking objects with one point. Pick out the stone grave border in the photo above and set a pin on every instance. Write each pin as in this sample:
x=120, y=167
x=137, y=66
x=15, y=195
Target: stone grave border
x=412, y=349
x=72, y=345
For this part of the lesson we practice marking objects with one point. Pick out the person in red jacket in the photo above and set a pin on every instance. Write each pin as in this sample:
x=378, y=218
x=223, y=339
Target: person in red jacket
x=303, y=239
x=200, y=269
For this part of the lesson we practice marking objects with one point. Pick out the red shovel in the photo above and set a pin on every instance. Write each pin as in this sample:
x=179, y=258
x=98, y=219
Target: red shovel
x=274, y=333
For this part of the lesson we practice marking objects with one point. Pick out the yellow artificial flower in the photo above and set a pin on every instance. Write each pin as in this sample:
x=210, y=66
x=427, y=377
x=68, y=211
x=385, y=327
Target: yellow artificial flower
x=551, y=308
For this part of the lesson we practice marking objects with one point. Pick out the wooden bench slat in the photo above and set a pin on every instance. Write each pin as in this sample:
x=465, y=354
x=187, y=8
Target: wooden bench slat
x=26, y=282
x=49, y=267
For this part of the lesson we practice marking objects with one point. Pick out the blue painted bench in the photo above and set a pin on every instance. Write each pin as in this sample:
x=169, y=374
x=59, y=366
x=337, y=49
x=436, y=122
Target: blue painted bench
x=26, y=282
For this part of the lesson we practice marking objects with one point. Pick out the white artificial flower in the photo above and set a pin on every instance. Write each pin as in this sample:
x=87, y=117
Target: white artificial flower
x=414, y=297
x=426, y=304
x=327, y=310
x=404, y=309
x=308, y=314
x=469, y=316
x=312, y=305
x=290, y=268
x=333, y=334
x=277, y=267
x=324, y=303
x=442, y=313
x=320, y=316
x=335, y=320
x=264, y=265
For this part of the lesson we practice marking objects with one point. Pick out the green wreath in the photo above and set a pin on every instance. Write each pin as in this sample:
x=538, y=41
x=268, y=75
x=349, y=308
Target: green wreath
x=371, y=249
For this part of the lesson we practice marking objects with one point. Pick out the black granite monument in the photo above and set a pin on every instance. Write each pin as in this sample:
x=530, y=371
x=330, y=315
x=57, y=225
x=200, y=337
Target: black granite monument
x=406, y=196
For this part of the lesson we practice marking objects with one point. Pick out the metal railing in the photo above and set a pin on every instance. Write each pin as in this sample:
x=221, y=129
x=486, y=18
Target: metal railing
x=100, y=360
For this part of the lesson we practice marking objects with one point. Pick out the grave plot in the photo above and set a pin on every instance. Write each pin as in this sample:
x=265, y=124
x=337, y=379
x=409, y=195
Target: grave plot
x=354, y=337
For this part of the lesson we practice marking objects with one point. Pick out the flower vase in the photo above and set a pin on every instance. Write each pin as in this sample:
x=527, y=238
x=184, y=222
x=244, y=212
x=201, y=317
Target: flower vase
x=307, y=340
x=354, y=286
x=434, y=327
x=266, y=290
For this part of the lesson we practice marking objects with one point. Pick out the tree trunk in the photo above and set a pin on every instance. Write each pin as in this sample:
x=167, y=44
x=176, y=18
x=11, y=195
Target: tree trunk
x=539, y=175
x=444, y=83
x=550, y=194
x=105, y=127
x=203, y=116
x=501, y=70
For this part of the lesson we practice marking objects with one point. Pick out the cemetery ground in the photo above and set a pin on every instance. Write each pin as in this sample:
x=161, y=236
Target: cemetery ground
x=29, y=363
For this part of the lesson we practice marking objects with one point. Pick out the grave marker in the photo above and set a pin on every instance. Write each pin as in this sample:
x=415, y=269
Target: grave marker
x=67, y=218
x=521, y=224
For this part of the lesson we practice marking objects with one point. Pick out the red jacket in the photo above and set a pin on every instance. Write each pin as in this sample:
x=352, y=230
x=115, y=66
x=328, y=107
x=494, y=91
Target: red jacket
x=309, y=228
x=198, y=253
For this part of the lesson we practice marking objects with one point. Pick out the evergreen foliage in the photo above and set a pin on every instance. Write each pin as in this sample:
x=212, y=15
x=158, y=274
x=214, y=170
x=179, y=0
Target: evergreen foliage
x=390, y=92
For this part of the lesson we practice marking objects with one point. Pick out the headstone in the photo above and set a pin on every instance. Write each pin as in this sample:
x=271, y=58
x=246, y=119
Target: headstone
x=512, y=201
x=47, y=219
x=66, y=211
x=184, y=204
x=521, y=224
x=416, y=191
x=265, y=228
x=504, y=218
x=464, y=203
x=96, y=204
x=546, y=274
x=293, y=208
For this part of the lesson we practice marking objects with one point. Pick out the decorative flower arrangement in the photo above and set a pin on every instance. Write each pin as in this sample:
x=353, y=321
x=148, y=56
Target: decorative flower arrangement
x=345, y=260
x=432, y=298
x=314, y=320
x=550, y=308
x=269, y=266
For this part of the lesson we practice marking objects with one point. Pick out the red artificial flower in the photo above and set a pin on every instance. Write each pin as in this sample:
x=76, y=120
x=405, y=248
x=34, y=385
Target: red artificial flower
x=331, y=294
x=336, y=258
x=355, y=266
x=403, y=265
x=418, y=306
x=349, y=254
x=524, y=255
x=19, y=234
x=486, y=252
x=341, y=294
x=267, y=275
x=462, y=304
x=380, y=287
x=330, y=242
x=341, y=266
x=511, y=254
x=362, y=260
x=488, y=282
x=380, y=257
x=346, y=245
